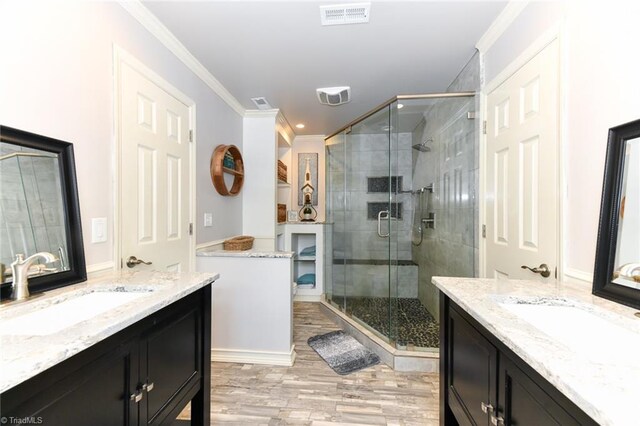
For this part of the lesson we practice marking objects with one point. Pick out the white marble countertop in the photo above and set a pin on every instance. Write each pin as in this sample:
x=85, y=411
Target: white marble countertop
x=22, y=356
x=605, y=386
x=217, y=252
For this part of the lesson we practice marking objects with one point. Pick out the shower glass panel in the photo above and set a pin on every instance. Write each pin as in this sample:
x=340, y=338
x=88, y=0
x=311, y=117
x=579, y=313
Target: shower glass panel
x=401, y=186
x=370, y=218
x=335, y=279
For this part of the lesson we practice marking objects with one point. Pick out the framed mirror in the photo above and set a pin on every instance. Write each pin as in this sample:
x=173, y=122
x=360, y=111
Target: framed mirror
x=39, y=210
x=617, y=268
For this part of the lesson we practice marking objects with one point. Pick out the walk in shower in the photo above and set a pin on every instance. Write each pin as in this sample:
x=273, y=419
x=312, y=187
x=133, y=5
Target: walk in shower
x=401, y=195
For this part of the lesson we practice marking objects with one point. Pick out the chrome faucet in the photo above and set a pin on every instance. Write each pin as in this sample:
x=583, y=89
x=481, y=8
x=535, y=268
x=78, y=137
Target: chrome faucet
x=20, y=271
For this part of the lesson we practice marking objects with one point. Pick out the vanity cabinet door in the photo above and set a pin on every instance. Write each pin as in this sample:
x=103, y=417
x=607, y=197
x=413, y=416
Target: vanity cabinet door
x=472, y=362
x=171, y=360
x=97, y=393
x=522, y=402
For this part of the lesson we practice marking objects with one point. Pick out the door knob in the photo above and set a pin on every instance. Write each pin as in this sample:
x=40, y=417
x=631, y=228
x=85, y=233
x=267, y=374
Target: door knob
x=133, y=261
x=543, y=270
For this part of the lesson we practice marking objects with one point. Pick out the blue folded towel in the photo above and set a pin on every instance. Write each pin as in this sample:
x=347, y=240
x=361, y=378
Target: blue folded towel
x=309, y=251
x=307, y=279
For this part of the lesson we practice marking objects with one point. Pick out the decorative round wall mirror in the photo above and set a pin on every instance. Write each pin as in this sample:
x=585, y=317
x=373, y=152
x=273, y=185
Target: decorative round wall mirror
x=226, y=159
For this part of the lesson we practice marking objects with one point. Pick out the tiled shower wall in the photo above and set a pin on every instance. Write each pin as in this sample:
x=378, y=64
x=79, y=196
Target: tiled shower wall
x=451, y=249
x=31, y=210
x=355, y=233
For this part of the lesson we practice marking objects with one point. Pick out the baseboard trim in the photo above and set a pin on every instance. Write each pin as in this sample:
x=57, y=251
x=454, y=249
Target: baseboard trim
x=577, y=275
x=100, y=267
x=254, y=357
x=307, y=298
x=210, y=244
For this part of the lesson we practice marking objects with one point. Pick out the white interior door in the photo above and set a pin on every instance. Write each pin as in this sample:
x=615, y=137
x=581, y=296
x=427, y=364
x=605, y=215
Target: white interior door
x=522, y=170
x=155, y=175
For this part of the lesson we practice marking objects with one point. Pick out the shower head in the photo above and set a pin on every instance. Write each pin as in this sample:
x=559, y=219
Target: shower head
x=424, y=146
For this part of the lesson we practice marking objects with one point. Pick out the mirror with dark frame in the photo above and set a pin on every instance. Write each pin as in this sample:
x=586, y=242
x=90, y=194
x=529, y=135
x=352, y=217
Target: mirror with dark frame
x=617, y=268
x=39, y=210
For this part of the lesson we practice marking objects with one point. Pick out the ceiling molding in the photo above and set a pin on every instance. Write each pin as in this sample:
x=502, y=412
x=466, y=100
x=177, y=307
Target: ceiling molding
x=166, y=37
x=500, y=24
x=257, y=113
x=283, y=127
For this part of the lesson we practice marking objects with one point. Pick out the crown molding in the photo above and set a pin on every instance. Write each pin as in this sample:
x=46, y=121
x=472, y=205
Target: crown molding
x=500, y=24
x=257, y=113
x=149, y=21
x=284, y=128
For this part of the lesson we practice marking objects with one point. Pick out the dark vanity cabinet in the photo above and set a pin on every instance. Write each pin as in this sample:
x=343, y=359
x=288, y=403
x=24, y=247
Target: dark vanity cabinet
x=143, y=375
x=482, y=382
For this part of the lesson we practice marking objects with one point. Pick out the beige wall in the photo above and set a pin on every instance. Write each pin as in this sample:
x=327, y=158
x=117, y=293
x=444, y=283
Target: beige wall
x=56, y=80
x=600, y=89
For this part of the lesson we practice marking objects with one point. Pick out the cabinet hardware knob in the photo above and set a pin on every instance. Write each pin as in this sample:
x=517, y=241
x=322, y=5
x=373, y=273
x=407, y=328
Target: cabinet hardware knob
x=136, y=397
x=497, y=421
x=148, y=387
x=543, y=270
x=486, y=408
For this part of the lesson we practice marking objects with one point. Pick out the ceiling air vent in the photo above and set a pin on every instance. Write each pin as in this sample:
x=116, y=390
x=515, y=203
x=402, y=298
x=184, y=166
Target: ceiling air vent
x=261, y=103
x=334, y=95
x=343, y=14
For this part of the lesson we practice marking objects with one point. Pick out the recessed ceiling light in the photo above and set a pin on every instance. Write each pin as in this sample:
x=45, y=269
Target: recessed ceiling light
x=300, y=126
x=400, y=106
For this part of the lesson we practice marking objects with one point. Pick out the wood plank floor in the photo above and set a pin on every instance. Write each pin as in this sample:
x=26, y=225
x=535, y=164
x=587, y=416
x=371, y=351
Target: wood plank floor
x=310, y=393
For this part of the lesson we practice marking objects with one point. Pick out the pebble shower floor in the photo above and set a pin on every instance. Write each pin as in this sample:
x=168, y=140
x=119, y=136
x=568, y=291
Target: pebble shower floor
x=415, y=325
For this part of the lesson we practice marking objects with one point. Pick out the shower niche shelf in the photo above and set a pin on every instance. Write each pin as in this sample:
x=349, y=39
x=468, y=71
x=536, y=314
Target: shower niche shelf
x=306, y=240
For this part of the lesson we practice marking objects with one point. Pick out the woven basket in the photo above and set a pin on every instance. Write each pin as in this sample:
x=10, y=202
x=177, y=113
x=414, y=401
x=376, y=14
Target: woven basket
x=243, y=242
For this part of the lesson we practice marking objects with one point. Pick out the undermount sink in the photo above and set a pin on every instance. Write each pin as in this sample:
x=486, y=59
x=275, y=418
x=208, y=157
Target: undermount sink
x=585, y=331
x=66, y=313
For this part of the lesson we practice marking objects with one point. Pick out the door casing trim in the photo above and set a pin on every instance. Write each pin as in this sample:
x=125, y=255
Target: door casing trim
x=555, y=32
x=120, y=57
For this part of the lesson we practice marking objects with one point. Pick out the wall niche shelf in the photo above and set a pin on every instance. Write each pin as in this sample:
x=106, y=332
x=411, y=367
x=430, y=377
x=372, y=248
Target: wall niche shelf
x=298, y=237
x=218, y=169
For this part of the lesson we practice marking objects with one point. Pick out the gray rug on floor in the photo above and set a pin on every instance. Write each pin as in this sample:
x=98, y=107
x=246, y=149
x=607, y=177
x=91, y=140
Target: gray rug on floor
x=343, y=353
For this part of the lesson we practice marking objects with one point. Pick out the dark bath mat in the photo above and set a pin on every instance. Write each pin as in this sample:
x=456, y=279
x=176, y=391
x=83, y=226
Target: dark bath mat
x=343, y=353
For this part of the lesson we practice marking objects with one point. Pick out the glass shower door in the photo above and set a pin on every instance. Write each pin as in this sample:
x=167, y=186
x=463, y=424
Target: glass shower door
x=371, y=215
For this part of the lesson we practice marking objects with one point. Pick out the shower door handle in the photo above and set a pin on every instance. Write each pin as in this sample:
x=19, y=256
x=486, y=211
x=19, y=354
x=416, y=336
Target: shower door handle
x=386, y=217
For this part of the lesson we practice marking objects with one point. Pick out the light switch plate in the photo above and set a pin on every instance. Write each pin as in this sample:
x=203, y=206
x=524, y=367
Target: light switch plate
x=99, y=230
x=208, y=220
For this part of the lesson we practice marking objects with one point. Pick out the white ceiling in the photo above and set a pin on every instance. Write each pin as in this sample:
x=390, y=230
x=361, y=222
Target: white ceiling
x=279, y=50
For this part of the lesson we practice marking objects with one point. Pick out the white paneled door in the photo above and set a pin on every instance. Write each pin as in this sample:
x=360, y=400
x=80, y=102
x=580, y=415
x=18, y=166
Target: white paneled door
x=155, y=170
x=522, y=170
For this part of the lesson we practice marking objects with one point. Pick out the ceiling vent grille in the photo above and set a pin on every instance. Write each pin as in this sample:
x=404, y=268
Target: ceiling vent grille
x=343, y=14
x=334, y=95
x=261, y=103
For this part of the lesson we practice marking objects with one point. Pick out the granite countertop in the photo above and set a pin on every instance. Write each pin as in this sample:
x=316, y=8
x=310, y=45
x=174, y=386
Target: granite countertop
x=22, y=356
x=604, y=381
x=217, y=252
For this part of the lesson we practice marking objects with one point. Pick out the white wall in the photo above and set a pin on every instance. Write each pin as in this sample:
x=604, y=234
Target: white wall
x=308, y=144
x=57, y=80
x=252, y=309
x=259, y=190
x=600, y=89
